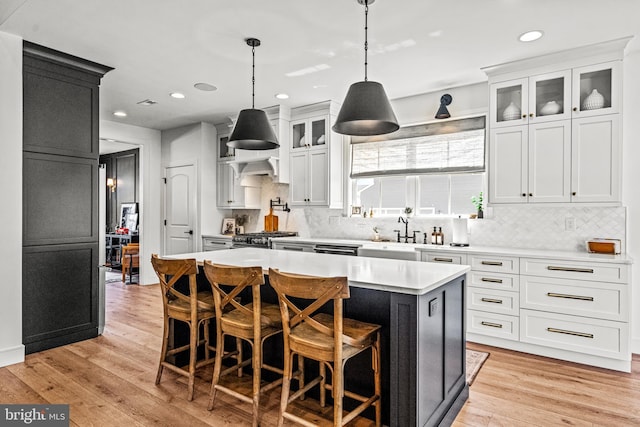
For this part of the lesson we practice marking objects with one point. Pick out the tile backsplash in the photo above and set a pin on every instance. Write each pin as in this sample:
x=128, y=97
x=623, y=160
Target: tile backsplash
x=526, y=226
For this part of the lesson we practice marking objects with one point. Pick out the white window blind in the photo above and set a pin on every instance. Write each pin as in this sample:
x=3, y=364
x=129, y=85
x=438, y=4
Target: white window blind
x=452, y=146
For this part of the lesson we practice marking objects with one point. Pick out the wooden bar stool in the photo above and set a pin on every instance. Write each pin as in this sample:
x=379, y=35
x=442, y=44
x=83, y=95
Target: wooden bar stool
x=194, y=309
x=253, y=322
x=331, y=340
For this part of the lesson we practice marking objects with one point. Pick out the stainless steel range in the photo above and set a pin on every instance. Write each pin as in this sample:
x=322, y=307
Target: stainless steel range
x=259, y=240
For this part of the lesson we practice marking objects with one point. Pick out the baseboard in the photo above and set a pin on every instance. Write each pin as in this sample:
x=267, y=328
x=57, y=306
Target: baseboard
x=635, y=345
x=12, y=355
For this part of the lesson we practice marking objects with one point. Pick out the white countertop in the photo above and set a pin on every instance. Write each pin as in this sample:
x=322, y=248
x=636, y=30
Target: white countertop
x=480, y=250
x=407, y=277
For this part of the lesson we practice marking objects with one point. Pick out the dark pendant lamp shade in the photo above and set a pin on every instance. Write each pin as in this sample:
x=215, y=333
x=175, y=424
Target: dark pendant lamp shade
x=253, y=131
x=366, y=111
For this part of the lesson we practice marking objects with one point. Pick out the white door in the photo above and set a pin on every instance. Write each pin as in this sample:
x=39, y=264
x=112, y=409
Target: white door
x=180, y=212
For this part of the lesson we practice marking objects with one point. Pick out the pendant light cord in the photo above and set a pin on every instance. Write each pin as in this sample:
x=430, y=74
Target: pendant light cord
x=253, y=77
x=366, y=42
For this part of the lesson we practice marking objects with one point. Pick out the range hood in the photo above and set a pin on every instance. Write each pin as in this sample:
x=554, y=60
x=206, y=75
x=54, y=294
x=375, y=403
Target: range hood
x=266, y=166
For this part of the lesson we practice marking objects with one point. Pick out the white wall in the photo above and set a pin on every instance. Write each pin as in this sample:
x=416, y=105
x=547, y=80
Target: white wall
x=148, y=141
x=196, y=144
x=631, y=176
x=11, y=348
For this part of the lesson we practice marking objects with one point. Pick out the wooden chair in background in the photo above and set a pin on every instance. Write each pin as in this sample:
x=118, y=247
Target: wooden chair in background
x=253, y=322
x=130, y=259
x=195, y=309
x=329, y=339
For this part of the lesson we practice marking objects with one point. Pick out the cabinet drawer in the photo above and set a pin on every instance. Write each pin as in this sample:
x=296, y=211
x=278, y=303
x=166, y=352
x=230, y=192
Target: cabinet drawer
x=493, y=301
x=574, y=333
x=212, y=244
x=505, y=282
x=444, y=257
x=593, y=271
x=494, y=264
x=591, y=299
x=496, y=325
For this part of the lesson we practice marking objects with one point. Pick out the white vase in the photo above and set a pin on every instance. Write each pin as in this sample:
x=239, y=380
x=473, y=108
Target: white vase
x=594, y=101
x=512, y=112
x=551, y=107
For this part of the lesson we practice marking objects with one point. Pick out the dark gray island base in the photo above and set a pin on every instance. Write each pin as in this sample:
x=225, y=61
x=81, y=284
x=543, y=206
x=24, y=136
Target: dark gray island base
x=423, y=335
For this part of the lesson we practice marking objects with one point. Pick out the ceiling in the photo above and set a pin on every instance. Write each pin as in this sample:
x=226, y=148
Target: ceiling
x=415, y=46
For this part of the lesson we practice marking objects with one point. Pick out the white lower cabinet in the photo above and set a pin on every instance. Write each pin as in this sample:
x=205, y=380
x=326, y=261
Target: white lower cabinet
x=569, y=309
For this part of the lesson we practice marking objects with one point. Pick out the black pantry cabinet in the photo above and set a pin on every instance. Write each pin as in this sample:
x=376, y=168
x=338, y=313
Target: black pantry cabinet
x=60, y=198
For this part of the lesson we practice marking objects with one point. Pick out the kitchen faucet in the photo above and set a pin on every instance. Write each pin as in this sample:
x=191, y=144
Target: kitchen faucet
x=406, y=231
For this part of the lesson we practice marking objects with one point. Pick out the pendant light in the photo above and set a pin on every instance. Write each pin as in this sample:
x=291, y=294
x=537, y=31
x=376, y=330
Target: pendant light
x=253, y=130
x=366, y=109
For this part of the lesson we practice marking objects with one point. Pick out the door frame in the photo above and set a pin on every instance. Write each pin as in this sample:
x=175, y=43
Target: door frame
x=196, y=202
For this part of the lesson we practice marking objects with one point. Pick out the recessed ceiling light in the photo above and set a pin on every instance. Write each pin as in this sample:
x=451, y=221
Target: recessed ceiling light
x=205, y=86
x=177, y=95
x=120, y=114
x=530, y=36
x=282, y=96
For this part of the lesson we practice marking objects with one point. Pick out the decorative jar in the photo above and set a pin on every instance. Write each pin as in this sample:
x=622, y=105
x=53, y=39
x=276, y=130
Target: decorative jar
x=512, y=112
x=551, y=107
x=594, y=101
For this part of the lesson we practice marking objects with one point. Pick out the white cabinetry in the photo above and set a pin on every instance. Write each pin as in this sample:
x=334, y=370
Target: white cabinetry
x=316, y=157
x=211, y=243
x=234, y=194
x=555, y=129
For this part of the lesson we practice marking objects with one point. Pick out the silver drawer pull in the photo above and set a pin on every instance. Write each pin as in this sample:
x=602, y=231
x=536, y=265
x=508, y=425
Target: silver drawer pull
x=492, y=300
x=493, y=325
x=576, y=270
x=292, y=248
x=486, y=279
x=580, y=297
x=443, y=259
x=498, y=263
x=564, y=331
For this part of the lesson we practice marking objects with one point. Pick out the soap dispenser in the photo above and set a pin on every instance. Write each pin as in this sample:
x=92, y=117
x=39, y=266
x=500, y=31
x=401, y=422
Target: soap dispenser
x=440, y=237
x=434, y=235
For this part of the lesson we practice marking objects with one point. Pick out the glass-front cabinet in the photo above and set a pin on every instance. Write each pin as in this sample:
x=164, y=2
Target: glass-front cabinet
x=597, y=89
x=309, y=133
x=225, y=152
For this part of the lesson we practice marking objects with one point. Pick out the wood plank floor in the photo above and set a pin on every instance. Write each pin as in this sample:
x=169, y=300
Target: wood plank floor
x=109, y=381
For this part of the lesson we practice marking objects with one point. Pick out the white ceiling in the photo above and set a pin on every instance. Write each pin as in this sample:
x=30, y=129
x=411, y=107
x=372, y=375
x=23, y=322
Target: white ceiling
x=416, y=46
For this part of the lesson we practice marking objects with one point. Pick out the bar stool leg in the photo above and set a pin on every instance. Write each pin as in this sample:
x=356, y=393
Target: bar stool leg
x=257, y=366
x=207, y=355
x=323, y=384
x=375, y=353
x=217, y=367
x=193, y=356
x=239, y=356
x=301, y=375
x=338, y=392
x=286, y=384
x=163, y=352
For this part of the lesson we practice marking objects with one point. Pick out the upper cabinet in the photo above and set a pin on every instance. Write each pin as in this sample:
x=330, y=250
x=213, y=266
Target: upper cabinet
x=225, y=152
x=316, y=157
x=554, y=123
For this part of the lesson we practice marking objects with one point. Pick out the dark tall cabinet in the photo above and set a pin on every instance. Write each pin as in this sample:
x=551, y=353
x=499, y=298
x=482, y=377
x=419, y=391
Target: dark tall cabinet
x=60, y=198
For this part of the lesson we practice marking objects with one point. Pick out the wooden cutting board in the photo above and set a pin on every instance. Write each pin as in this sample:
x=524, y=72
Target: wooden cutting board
x=270, y=221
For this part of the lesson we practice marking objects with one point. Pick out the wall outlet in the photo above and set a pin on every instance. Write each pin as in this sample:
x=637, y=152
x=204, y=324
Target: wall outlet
x=569, y=223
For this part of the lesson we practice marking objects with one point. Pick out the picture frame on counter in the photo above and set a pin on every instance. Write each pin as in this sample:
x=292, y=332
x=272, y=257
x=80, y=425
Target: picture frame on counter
x=127, y=209
x=228, y=226
x=356, y=210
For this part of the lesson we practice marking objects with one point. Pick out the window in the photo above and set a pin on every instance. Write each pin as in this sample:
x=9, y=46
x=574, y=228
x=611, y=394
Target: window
x=434, y=168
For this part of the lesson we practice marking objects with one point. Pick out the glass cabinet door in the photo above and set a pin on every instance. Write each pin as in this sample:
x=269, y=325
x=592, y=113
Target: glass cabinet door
x=596, y=90
x=509, y=103
x=224, y=151
x=549, y=97
x=318, y=131
x=298, y=135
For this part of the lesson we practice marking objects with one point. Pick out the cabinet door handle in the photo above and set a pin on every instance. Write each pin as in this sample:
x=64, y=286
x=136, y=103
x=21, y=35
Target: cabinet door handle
x=524, y=194
x=493, y=325
x=443, y=259
x=487, y=279
x=491, y=300
x=575, y=108
x=524, y=116
x=530, y=114
x=564, y=331
x=498, y=263
x=572, y=269
x=530, y=194
x=567, y=296
x=574, y=193
x=292, y=248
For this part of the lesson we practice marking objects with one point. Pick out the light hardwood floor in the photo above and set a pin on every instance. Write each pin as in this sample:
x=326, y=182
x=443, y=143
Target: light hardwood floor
x=109, y=381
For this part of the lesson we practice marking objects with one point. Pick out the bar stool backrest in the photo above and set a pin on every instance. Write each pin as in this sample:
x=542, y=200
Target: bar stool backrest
x=169, y=272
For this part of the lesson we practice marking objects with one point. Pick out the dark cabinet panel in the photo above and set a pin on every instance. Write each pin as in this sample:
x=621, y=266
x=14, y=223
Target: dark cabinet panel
x=59, y=199
x=59, y=290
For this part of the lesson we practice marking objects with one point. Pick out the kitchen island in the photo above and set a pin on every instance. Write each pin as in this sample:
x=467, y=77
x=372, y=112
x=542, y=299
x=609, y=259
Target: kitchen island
x=421, y=307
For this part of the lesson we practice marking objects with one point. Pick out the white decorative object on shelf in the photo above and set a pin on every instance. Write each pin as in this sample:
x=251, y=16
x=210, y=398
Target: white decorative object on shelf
x=512, y=112
x=301, y=142
x=594, y=101
x=551, y=107
x=321, y=139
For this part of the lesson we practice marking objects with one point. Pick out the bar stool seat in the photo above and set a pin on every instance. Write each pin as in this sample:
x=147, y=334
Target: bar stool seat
x=328, y=339
x=193, y=308
x=253, y=322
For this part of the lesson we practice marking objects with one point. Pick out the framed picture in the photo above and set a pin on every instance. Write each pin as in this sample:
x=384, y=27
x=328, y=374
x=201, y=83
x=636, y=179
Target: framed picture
x=356, y=210
x=126, y=209
x=131, y=221
x=228, y=226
